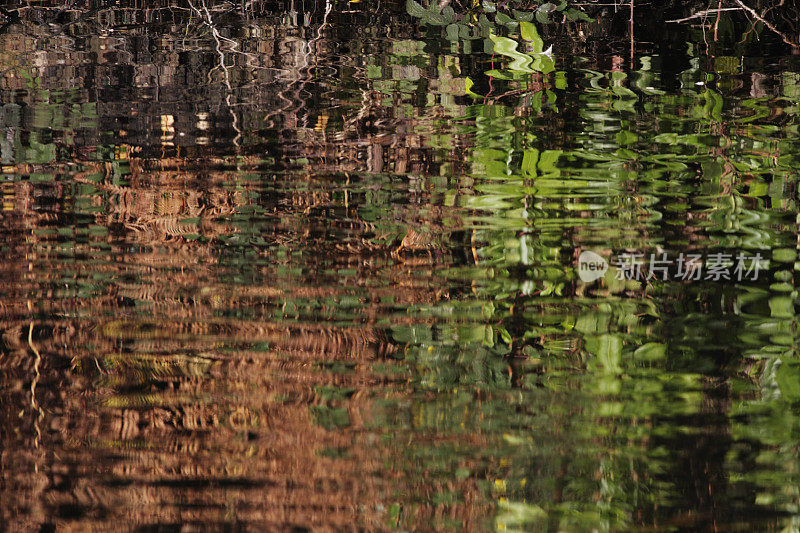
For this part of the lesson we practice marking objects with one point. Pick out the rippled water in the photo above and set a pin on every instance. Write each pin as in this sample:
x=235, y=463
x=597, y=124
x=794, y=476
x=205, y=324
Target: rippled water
x=322, y=287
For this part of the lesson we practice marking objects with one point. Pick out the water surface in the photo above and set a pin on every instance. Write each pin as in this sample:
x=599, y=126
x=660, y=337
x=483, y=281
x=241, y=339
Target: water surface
x=303, y=279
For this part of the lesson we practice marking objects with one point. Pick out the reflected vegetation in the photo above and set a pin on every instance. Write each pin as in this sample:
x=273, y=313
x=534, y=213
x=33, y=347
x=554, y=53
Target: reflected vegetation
x=316, y=268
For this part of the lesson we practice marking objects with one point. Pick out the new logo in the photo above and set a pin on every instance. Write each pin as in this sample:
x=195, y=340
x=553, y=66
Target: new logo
x=591, y=266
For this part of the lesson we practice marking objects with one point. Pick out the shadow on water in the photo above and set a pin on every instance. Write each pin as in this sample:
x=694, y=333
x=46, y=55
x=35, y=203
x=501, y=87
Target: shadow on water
x=309, y=269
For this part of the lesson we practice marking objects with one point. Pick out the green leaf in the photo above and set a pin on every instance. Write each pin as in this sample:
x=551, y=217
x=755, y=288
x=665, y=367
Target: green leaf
x=529, y=160
x=522, y=15
x=561, y=80
x=610, y=353
x=415, y=9
x=435, y=19
x=508, y=47
x=519, y=516
x=788, y=379
x=529, y=33
x=468, y=85
x=504, y=335
x=505, y=20
x=625, y=137
x=498, y=74
x=542, y=17
x=548, y=160
x=713, y=106
x=452, y=32
x=652, y=351
x=330, y=418
x=576, y=15
x=448, y=14
x=40, y=153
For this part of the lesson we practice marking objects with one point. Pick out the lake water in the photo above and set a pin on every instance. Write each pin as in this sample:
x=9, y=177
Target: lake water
x=321, y=272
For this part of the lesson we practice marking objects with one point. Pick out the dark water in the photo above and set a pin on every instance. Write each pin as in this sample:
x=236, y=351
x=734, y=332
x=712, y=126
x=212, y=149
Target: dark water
x=324, y=288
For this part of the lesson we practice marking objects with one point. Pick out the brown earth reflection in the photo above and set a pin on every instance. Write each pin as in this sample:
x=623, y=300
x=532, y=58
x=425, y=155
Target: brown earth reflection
x=142, y=385
x=152, y=400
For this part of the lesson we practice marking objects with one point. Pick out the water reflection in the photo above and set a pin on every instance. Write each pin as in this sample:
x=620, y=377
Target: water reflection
x=300, y=278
